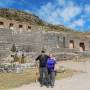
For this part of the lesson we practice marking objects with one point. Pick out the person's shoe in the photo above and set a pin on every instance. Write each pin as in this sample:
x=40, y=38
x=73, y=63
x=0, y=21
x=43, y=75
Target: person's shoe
x=47, y=86
x=52, y=86
x=41, y=85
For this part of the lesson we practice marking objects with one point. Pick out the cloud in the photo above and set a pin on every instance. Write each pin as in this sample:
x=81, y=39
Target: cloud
x=70, y=12
x=87, y=9
x=67, y=12
x=55, y=14
x=46, y=10
x=86, y=12
x=54, y=17
x=79, y=22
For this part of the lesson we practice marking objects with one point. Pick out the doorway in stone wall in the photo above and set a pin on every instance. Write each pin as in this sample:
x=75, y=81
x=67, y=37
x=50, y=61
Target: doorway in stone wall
x=71, y=44
x=1, y=24
x=82, y=46
x=20, y=28
x=29, y=28
x=11, y=26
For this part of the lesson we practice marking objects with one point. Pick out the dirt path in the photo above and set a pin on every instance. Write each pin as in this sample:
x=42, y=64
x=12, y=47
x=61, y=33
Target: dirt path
x=77, y=82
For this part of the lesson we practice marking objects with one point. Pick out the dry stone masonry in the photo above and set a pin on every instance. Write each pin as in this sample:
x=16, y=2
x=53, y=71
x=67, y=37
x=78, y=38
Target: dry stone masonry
x=30, y=37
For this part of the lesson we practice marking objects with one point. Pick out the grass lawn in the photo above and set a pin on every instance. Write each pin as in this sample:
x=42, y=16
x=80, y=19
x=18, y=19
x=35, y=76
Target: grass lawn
x=13, y=80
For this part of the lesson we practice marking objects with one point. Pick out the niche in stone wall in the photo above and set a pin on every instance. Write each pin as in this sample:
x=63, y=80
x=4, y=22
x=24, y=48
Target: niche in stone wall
x=71, y=44
x=82, y=46
x=20, y=28
x=1, y=24
x=29, y=28
x=63, y=42
x=57, y=42
x=11, y=26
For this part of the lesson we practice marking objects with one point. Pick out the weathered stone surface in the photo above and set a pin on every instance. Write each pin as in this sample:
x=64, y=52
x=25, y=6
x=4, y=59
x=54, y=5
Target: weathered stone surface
x=29, y=35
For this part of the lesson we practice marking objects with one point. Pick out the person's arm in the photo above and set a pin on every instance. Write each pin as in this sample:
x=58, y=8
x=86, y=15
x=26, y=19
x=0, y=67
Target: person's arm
x=36, y=61
x=47, y=57
x=56, y=65
x=37, y=58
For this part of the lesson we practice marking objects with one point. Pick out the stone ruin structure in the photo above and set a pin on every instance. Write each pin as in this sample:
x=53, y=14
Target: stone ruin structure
x=32, y=38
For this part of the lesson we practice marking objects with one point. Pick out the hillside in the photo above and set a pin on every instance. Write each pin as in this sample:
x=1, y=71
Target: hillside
x=13, y=14
x=22, y=16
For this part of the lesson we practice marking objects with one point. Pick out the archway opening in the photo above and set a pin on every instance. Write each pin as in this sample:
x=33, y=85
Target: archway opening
x=11, y=26
x=71, y=44
x=1, y=24
x=20, y=27
x=82, y=46
x=29, y=28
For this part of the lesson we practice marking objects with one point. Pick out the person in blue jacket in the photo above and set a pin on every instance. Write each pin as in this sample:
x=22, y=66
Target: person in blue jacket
x=51, y=62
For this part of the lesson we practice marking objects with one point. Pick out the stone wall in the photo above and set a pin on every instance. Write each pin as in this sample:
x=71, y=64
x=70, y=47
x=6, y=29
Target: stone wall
x=77, y=41
x=5, y=42
x=34, y=38
x=17, y=26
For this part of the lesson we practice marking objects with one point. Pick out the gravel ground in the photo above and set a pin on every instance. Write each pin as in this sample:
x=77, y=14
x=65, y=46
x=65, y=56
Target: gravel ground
x=76, y=82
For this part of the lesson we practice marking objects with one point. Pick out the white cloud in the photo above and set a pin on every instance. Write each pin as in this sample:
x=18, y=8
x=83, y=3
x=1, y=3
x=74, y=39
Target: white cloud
x=54, y=18
x=46, y=11
x=48, y=8
x=87, y=9
x=70, y=12
x=86, y=14
x=79, y=22
x=54, y=14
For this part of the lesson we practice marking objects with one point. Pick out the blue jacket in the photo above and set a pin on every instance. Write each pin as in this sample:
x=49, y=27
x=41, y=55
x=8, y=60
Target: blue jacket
x=51, y=64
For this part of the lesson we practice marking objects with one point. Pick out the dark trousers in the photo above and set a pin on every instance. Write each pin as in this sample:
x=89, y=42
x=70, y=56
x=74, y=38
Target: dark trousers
x=43, y=75
x=51, y=77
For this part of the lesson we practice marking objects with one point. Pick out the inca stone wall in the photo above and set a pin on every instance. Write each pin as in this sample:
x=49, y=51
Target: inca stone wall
x=31, y=38
x=5, y=42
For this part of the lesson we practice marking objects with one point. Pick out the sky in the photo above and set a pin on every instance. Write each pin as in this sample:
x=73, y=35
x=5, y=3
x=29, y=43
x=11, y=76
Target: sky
x=71, y=13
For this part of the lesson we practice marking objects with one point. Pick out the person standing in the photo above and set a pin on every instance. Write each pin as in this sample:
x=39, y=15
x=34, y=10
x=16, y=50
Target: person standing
x=51, y=62
x=23, y=58
x=42, y=68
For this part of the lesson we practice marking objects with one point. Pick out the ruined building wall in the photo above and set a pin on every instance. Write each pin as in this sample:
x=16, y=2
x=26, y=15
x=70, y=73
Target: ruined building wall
x=34, y=38
x=5, y=42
